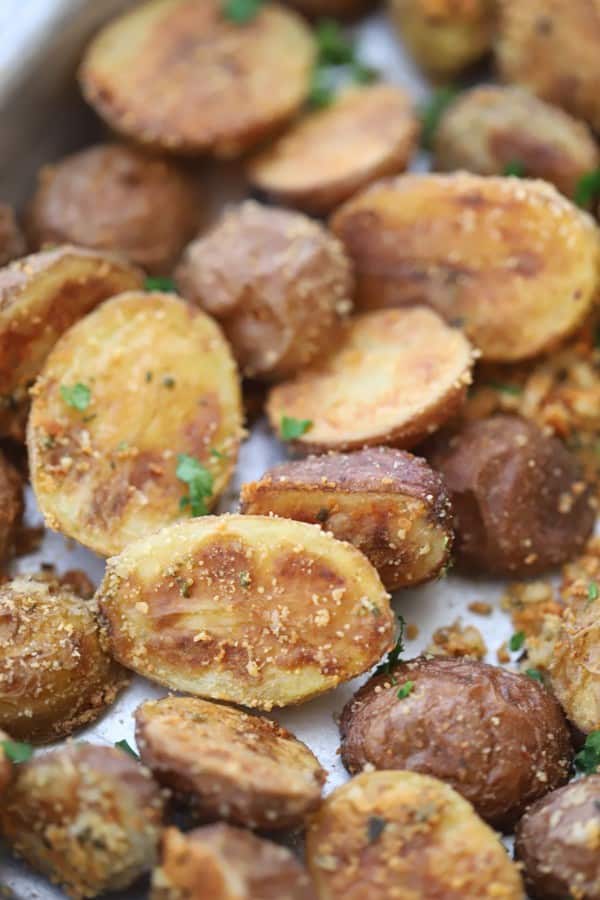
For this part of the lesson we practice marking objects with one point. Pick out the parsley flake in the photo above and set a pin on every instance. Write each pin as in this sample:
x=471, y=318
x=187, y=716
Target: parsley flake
x=334, y=48
x=168, y=382
x=588, y=759
x=166, y=285
x=218, y=454
x=241, y=11
x=517, y=641
x=515, y=168
x=16, y=751
x=375, y=828
x=77, y=396
x=322, y=92
x=394, y=656
x=513, y=389
x=291, y=428
x=593, y=592
x=199, y=481
x=431, y=113
x=127, y=748
x=535, y=674
x=405, y=690
x=588, y=189
x=244, y=579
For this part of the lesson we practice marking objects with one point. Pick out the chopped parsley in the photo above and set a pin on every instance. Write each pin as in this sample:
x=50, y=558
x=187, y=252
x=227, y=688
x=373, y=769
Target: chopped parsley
x=334, y=48
x=513, y=389
x=515, y=168
x=127, y=748
x=167, y=285
x=322, y=91
x=244, y=579
x=588, y=189
x=588, y=759
x=375, y=828
x=199, y=481
x=218, y=454
x=168, y=382
x=394, y=656
x=16, y=751
x=148, y=377
x=337, y=64
x=405, y=690
x=431, y=113
x=592, y=593
x=241, y=11
x=535, y=674
x=291, y=428
x=77, y=396
x=517, y=641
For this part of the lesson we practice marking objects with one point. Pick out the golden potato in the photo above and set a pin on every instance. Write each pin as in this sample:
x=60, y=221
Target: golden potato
x=227, y=764
x=491, y=127
x=407, y=836
x=279, y=283
x=12, y=242
x=573, y=664
x=510, y=259
x=395, y=376
x=258, y=611
x=11, y=507
x=338, y=9
x=219, y=862
x=55, y=672
x=135, y=421
x=116, y=198
x=88, y=817
x=40, y=297
x=389, y=504
x=179, y=75
x=332, y=153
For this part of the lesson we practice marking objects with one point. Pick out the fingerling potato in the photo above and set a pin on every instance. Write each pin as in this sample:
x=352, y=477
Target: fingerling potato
x=258, y=611
x=138, y=391
x=12, y=242
x=510, y=259
x=11, y=507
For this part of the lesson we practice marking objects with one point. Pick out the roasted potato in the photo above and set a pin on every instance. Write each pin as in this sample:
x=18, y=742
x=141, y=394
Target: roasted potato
x=11, y=507
x=558, y=840
x=55, y=672
x=116, y=198
x=40, y=297
x=278, y=283
x=388, y=503
x=520, y=504
x=338, y=9
x=12, y=242
x=551, y=47
x=510, y=259
x=180, y=76
x=404, y=835
x=258, y=611
x=88, y=817
x=332, y=153
x=6, y=766
x=135, y=421
x=395, y=376
x=573, y=663
x=498, y=738
x=219, y=862
x=227, y=764
x=490, y=127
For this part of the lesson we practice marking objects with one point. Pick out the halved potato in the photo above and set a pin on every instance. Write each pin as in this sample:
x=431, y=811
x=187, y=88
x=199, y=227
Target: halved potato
x=574, y=663
x=139, y=383
x=227, y=764
x=259, y=611
x=40, y=297
x=389, y=504
x=182, y=76
x=511, y=259
x=394, y=377
x=12, y=242
x=329, y=155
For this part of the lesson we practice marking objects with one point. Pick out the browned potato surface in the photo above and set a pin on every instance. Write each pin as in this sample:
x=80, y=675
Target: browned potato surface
x=395, y=376
x=181, y=76
x=88, y=817
x=558, y=841
x=12, y=242
x=520, y=504
x=219, y=862
x=227, y=764
x=278, y=283
x=498, y=738
x=329, y=155
x=490, y=127
x=406, y=836
x=573, y=664
x=55, y=672
x=11, y=506
x=128, y=392
x=6, y=766
x=40, y=297
x=258, y=611
x=388, y=503
x=338, y=9
x=510, y=259
x=116, y=198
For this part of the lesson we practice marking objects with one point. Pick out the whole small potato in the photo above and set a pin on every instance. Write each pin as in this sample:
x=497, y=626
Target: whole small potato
x=520, y=504
x=278, y=283
x=116, y=198
x=12, y=242
x=11, y=506
x=498, y=738
x=338, y=9
x=558, y=840
x=490, y=127
x=573, y=664
x=88, y=817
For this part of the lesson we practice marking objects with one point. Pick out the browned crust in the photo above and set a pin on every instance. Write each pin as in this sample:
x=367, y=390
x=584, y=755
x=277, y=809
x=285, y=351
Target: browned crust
x=12, y=242
x=11, y=507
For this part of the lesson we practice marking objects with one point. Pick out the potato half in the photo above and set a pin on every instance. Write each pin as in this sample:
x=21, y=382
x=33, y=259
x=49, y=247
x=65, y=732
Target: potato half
x=259, y=611
x=182, y=76
x=393, y=378
x=12, y=242
x=138, y=383
x=574, y=664
x=227, y=764
x=510, y=259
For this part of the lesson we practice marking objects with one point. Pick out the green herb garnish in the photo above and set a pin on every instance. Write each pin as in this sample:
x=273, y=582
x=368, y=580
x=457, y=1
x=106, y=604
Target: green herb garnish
x=363, y=74
x=127, y=748
x=375, y=828
x=337, y=64
x=517, y=641
x=78, y=396
x=241, y=11
x=535, y=674
x=244, y=579
x=588, y=189
x=431, y=113
x=588, y=759
x=394, y=656
x=17, y=752
x=405, y=690
x=513, y=389
x=592, y=593
x=334, y=48
x=199, y=481
x=515, y=168
x=321, y=92
x=291, y=428
x=168, y=382
x=167, y=285
x=218, y=454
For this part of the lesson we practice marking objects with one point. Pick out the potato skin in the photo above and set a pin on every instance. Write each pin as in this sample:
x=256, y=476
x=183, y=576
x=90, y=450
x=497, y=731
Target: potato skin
x=253, y=610
x=409, y=836
x=12, y=242
x=573, y=666
x=388, y=503
x=491, y=126
x=114, y=198
x=89, y=817
x=520, y=504
x=11, y=506
x=490, y=253
x=337, y=9
x=179, y=76
x=557, y=842
x=498, y=738
x=255, y=271
x=227, y=764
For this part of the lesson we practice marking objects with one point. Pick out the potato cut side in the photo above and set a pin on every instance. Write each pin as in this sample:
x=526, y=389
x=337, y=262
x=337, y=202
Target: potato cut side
x=395, y=376
x=40, y=297
x=329, y=155
x=510, y=259
x=259, y=611
x=180, y=75
x=139, y=387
